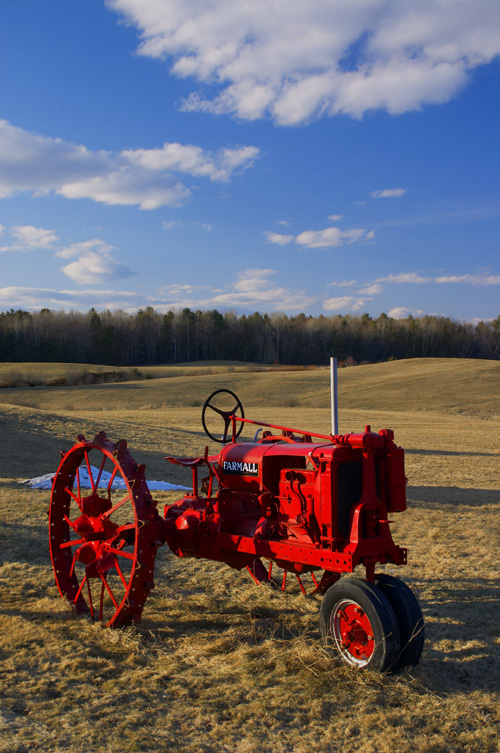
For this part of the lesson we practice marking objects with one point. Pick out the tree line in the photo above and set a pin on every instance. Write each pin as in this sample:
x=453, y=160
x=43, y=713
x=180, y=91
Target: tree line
x=149, y=337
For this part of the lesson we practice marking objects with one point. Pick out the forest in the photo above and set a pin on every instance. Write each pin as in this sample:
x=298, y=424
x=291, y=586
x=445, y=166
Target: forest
x=148, y=337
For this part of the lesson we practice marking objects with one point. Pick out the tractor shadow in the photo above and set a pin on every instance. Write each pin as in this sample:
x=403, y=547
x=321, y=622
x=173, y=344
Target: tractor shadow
x=24, y=543
x=452, y=453
x=453, y=496
x=462, y=648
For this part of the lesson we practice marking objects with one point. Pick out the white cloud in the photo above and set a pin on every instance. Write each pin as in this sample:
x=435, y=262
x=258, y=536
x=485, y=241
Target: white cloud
x=400, y=312
x=93, y=268
x=172, y=223
x=331, y=237
x=283, y=222
x=253, y=289
x=388, y=193
x=2, y=228
x=419, y=279
x=94, y=263
x=344, y=284
x=77, y=249
x=179, y=223
x=470, y=279
x=146, y=178
x=193, y=160
x=36, y=298
x=278, y=238
x=334, y=217
x=295, y=61
x=404, y=278
x=373, y=289
x=344, y=303
x=28, y=238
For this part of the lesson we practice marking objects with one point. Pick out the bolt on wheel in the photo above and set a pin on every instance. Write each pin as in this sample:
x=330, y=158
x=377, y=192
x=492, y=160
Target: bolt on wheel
x=352, y=632
x=100, y=542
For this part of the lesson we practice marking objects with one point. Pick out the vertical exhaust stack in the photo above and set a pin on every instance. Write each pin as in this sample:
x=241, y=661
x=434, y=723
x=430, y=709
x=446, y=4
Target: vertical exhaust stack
x=334, y=396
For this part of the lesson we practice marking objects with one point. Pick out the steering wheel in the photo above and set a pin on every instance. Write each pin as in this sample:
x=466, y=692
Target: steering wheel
x=218, y=402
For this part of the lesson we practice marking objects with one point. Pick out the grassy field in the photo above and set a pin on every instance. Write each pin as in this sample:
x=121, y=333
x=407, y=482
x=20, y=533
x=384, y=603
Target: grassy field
x=218, y=664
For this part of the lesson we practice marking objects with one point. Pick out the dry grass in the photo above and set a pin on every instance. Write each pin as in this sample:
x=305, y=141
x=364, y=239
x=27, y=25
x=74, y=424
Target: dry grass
x=219, y=665
x=458, y=386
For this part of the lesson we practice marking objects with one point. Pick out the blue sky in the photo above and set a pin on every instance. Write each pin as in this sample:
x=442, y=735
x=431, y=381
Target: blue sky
x=262, y=155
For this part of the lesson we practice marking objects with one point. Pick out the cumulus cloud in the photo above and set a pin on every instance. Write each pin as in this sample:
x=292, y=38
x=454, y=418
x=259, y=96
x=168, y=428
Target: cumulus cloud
x=148, y=178
x=334, y=217
x=254, y=289
x=344, y=303
x=331, y=237
x=388, y=193
x=28, y=238
x=193, y=160
x=401, y=312
x=94, y=263
x=373, y=289
x=296, y=61
x=278, y=238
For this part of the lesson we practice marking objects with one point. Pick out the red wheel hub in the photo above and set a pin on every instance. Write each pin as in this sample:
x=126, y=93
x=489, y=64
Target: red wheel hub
x=352, y=632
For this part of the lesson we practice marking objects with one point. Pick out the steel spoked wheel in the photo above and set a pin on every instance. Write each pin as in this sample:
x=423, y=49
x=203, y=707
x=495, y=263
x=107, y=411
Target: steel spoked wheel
x=409, y=616
x=100, y=537
x=358, y=620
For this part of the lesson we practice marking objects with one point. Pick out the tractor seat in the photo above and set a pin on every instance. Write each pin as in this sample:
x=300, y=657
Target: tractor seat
x=192, y=462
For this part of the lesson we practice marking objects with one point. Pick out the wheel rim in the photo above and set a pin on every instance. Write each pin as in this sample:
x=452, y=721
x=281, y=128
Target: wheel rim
x=352, y=632
x=101, y=551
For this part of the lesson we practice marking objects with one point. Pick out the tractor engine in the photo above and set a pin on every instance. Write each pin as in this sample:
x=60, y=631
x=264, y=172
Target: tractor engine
x=280, y=493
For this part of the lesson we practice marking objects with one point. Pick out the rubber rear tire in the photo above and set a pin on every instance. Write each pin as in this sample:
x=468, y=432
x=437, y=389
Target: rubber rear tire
x=409, y=616
x=358, y=620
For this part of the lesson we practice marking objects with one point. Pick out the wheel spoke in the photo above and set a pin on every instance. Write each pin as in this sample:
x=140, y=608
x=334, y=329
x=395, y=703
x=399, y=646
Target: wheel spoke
x=73, y=563
x=77, y=499
x=110, y=592
x=120, y=573
x=90, y=601
x=84, y=580
x=101, y=602
x=217, y=410
x=100, y=471
x=112, y=478
x=113, y=550
x=113, y=509
x=73, y=542
x=126, y=527
x=89, y=470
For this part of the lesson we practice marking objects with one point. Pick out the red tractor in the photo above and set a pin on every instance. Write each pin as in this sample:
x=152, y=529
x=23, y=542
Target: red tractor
x=310, y=503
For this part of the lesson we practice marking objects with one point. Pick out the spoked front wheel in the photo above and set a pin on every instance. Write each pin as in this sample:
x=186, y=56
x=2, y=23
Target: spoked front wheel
x=100, y=537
